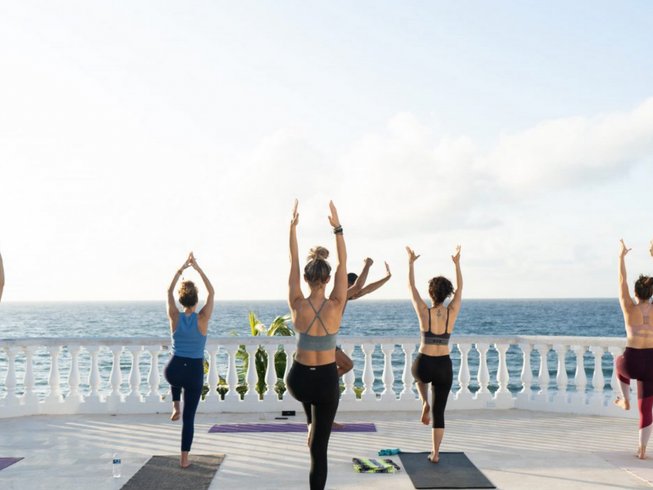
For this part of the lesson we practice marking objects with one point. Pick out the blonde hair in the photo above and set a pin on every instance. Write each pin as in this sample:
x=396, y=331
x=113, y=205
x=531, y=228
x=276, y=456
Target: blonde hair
x=317, y=270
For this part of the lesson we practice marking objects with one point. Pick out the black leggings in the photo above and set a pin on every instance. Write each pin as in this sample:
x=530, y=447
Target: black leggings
x=186, y=373
x=317, y=388
x=436, y=370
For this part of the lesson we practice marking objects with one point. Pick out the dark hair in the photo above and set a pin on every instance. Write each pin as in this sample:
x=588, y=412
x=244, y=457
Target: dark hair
x=318, y=270
x=644, y=287
x=440, y=288
x=351, y=278
x=188, y=294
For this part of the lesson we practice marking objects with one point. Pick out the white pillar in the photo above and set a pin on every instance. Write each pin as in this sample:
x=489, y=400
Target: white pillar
x=526, y=371
x=154, y=376
x=94, y=376
x=10, y=381
x=463, y=374
x=368, y=373
x=406, y=376
x=483, y=376
x=543, y=377
x=116, y=376
x=580, y=377
x=614, y=381
x=74, y=395
x=214, y=378
x=251, y=396
x=271, y=374
x=54, y=379
x=388, y=376
x=561, y=376
x=29, y=399
x=134, y=395
x=598, y=379
x=232, y=374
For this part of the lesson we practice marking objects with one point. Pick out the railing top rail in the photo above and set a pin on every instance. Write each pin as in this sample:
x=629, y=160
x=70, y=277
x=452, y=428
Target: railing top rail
x=213, y=341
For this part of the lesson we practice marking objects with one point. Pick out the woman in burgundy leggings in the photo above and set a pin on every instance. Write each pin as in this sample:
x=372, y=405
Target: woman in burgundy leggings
x=637, y=360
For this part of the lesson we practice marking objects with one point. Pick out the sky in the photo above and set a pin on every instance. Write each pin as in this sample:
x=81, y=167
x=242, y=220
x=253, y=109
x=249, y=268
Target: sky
x=134, y=132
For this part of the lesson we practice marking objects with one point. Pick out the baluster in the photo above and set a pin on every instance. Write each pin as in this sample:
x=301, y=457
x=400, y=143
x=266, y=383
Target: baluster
x=135, y=374
x=10, y=381
x=368, y=373
x=561, y=376
x=73, y=379
x=483, y=375
x=252, y=375
x=544, y=377
x=580, y=377
x=350, y=377
x=271, y=373
x=388, y=376
x=214, y=378
x=54, y=381
x=289, y=349
x=463, y=374
x=503, y=376
x=154, y=377
x=29, y=398
x=614, y=381
x=598, y=380
x=526, y=371
x=407, y=392
x=232, y=374
x=94, y=375
x=116, y=374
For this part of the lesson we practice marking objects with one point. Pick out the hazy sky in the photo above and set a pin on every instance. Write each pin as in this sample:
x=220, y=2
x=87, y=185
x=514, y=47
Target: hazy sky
x=134, y=132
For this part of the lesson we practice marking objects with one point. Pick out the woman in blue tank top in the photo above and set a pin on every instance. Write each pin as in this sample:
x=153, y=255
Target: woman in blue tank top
x=185, y=371
x=313, y=377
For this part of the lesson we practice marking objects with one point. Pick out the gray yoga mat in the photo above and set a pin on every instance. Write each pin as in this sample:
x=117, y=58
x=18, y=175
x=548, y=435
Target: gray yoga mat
x=454, y=470
x=164, y=472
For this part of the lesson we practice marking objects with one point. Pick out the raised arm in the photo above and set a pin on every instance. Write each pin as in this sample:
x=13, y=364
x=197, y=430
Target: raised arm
x=173, y=312
x=352, y=292
x=294, y=288
x=206, y=312
x=2, y=277
x=624, y=297
x=458, y=294
x=375, y=285
x=418, y=302
x=339, y=293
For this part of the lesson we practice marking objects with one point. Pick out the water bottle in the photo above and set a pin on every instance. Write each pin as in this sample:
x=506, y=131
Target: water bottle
x=116, y=465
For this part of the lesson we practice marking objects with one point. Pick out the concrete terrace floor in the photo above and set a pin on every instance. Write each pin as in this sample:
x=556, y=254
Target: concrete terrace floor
x=515, y=449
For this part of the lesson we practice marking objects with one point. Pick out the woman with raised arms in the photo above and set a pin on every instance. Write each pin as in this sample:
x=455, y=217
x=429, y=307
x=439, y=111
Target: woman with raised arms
x=433, y=364
x=313, y=377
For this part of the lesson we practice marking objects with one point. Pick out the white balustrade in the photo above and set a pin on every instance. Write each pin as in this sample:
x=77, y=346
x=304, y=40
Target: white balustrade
x=42, y=391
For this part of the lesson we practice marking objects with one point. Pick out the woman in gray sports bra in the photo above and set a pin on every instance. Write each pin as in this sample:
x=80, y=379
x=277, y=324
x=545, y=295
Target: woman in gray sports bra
x=433, y=364
x=313, y=377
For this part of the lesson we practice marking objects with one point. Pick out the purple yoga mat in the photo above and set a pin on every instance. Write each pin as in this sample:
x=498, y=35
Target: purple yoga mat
x=4, y=462
x=232, y=428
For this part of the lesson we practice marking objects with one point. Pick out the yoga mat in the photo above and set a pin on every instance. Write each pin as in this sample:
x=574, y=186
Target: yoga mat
x=233, y=428
x=454, y=470
x=164, y=473
x=4, y=462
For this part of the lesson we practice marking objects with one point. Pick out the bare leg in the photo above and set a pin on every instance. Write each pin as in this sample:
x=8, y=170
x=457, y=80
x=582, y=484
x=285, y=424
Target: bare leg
x=176, y=411
x=437, y=435
x=423, y=390
x=623, y=401
x=184, y=459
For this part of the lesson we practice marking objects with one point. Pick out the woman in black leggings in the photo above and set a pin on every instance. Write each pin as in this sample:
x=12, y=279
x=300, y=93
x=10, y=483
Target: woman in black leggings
x=185, y=371
x=313, y=377
x=433, y=364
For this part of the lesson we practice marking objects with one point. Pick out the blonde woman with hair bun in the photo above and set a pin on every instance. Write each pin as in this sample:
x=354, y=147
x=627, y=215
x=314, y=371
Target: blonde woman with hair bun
x=313, y=377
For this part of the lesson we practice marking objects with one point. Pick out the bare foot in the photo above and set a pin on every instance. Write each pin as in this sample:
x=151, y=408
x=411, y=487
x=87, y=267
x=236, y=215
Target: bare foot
x=426, y=414
x=622, y=403
x=176, y=413
x=641, y=452
x=337, y=425
x=183, y=462
x=434, y=458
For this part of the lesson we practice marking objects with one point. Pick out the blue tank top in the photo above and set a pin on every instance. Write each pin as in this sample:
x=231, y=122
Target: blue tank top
x=317, y=342
x=187, y=341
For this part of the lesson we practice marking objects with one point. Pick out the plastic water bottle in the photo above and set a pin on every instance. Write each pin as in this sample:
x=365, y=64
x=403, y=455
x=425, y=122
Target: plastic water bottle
x=116, y=465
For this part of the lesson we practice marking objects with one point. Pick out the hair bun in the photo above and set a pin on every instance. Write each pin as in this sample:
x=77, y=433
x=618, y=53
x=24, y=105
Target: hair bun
x=318, y=253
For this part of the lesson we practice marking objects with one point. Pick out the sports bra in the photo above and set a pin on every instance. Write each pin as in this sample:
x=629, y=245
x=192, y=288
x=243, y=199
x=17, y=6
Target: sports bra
x=430, y=338
x=643, y=329
x=317, y=342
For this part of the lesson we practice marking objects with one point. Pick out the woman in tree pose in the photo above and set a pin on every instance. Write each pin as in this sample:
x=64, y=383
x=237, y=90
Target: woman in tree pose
x=637, y=360
x=185, y=371
x=313, y=377
x=433, y=364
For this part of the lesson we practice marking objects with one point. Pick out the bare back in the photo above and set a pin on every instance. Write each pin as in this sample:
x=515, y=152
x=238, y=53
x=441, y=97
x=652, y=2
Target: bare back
x=638, y=319
x=328, y=322
x=443, y=319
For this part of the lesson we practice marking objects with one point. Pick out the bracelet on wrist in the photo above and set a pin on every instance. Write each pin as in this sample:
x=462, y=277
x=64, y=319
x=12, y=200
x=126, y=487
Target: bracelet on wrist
x=337, y=230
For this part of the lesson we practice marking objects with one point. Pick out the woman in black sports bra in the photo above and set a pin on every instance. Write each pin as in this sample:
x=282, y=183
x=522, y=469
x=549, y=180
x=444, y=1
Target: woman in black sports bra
x=433, y=364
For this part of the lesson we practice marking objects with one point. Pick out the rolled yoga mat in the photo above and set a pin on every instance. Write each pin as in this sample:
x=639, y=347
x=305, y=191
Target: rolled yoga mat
x=164, y=473
x=233, y=428
x=454, y=470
